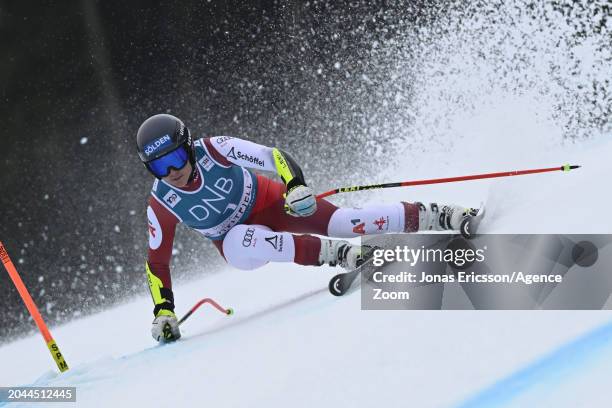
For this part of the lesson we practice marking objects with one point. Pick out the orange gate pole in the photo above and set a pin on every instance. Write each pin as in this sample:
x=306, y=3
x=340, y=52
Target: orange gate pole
x=27, y=299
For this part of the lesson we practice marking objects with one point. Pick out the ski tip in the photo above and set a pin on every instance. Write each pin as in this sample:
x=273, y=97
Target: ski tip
x=465, y=228
x=469, y=225
x=335, y=286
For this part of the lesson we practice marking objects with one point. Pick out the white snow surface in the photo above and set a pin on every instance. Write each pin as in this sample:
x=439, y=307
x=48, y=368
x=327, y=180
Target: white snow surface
x=292, y=344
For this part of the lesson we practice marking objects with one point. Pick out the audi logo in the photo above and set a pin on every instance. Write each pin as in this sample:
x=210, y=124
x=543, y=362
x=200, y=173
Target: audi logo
x=248, y=237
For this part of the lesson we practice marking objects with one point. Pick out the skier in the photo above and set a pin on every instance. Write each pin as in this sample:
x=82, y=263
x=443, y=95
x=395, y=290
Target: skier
x=209, y=185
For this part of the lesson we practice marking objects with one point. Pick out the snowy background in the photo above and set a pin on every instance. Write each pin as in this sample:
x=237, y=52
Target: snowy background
x=406, y=91
x=78, y=79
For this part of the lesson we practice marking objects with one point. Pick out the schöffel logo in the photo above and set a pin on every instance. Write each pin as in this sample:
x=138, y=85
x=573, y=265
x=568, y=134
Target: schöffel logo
x=251, y=159
x=276, y=242
x=152, y=148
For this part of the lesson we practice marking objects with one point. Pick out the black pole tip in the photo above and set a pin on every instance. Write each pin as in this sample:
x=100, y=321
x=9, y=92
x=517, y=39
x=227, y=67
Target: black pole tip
x=575, y=166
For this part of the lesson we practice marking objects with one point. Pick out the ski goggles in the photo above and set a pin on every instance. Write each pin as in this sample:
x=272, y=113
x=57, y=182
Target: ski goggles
x=176, y=159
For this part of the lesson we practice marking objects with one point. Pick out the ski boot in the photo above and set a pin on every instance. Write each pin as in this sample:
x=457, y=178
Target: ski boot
x=343, y=253
x=448, y=218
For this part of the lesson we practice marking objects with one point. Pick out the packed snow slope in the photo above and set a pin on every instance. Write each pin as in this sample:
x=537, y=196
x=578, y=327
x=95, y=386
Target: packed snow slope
x=291, y=343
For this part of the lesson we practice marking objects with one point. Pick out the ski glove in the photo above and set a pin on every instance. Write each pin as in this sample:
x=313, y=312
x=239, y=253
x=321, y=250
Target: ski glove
x=165, y=327
x=299, y=199
x=300, y=202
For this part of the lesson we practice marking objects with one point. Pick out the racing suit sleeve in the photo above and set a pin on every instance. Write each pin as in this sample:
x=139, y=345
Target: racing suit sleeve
x=162, y=227
x=231, y=150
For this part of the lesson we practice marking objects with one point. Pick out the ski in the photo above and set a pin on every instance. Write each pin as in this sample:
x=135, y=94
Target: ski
x=469, y=225
x=342, y=282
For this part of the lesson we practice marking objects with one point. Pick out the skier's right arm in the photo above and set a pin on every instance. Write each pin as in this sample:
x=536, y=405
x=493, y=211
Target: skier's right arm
x=162, y=226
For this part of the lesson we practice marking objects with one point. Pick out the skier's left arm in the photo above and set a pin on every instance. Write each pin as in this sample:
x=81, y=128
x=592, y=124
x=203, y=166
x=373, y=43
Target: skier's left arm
x=300, y=200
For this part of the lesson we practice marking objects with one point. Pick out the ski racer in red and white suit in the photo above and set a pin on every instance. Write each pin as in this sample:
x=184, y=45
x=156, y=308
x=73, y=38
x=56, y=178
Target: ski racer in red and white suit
x=268, y=221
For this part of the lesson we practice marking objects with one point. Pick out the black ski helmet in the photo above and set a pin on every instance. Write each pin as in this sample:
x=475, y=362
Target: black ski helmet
x=160, y=134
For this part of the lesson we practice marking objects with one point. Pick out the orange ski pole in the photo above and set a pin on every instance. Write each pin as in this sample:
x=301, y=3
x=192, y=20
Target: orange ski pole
x=27, y=299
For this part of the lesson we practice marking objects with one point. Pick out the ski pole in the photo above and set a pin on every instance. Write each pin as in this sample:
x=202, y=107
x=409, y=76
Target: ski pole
x=565, y=167
x=229, y=311
x=31, y=306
